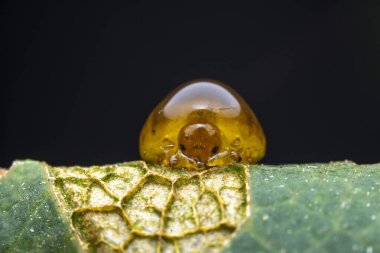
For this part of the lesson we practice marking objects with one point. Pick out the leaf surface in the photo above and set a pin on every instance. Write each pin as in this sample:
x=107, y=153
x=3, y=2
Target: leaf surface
x=30, y=220
x=317, y=208
x=332, y=207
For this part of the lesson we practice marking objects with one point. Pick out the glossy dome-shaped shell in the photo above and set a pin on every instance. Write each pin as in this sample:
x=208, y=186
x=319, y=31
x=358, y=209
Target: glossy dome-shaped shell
x=203, y=103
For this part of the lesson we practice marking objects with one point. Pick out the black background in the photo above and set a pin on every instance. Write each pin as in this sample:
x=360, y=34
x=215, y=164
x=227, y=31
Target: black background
x=80, y=79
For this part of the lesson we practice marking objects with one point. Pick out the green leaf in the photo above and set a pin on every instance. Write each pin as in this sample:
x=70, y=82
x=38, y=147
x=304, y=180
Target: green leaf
x=30, y=220
x=331, y=207
x=133, y=207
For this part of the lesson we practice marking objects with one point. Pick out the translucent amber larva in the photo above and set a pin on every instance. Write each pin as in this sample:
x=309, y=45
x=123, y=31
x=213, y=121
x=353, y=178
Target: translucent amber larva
x=201, y=124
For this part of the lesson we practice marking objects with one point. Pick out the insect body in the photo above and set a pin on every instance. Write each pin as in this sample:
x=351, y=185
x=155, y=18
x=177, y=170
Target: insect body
x=201, y=124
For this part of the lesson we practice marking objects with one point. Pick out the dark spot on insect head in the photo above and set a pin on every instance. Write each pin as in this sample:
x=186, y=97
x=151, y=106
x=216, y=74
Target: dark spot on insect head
x=214, y=150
